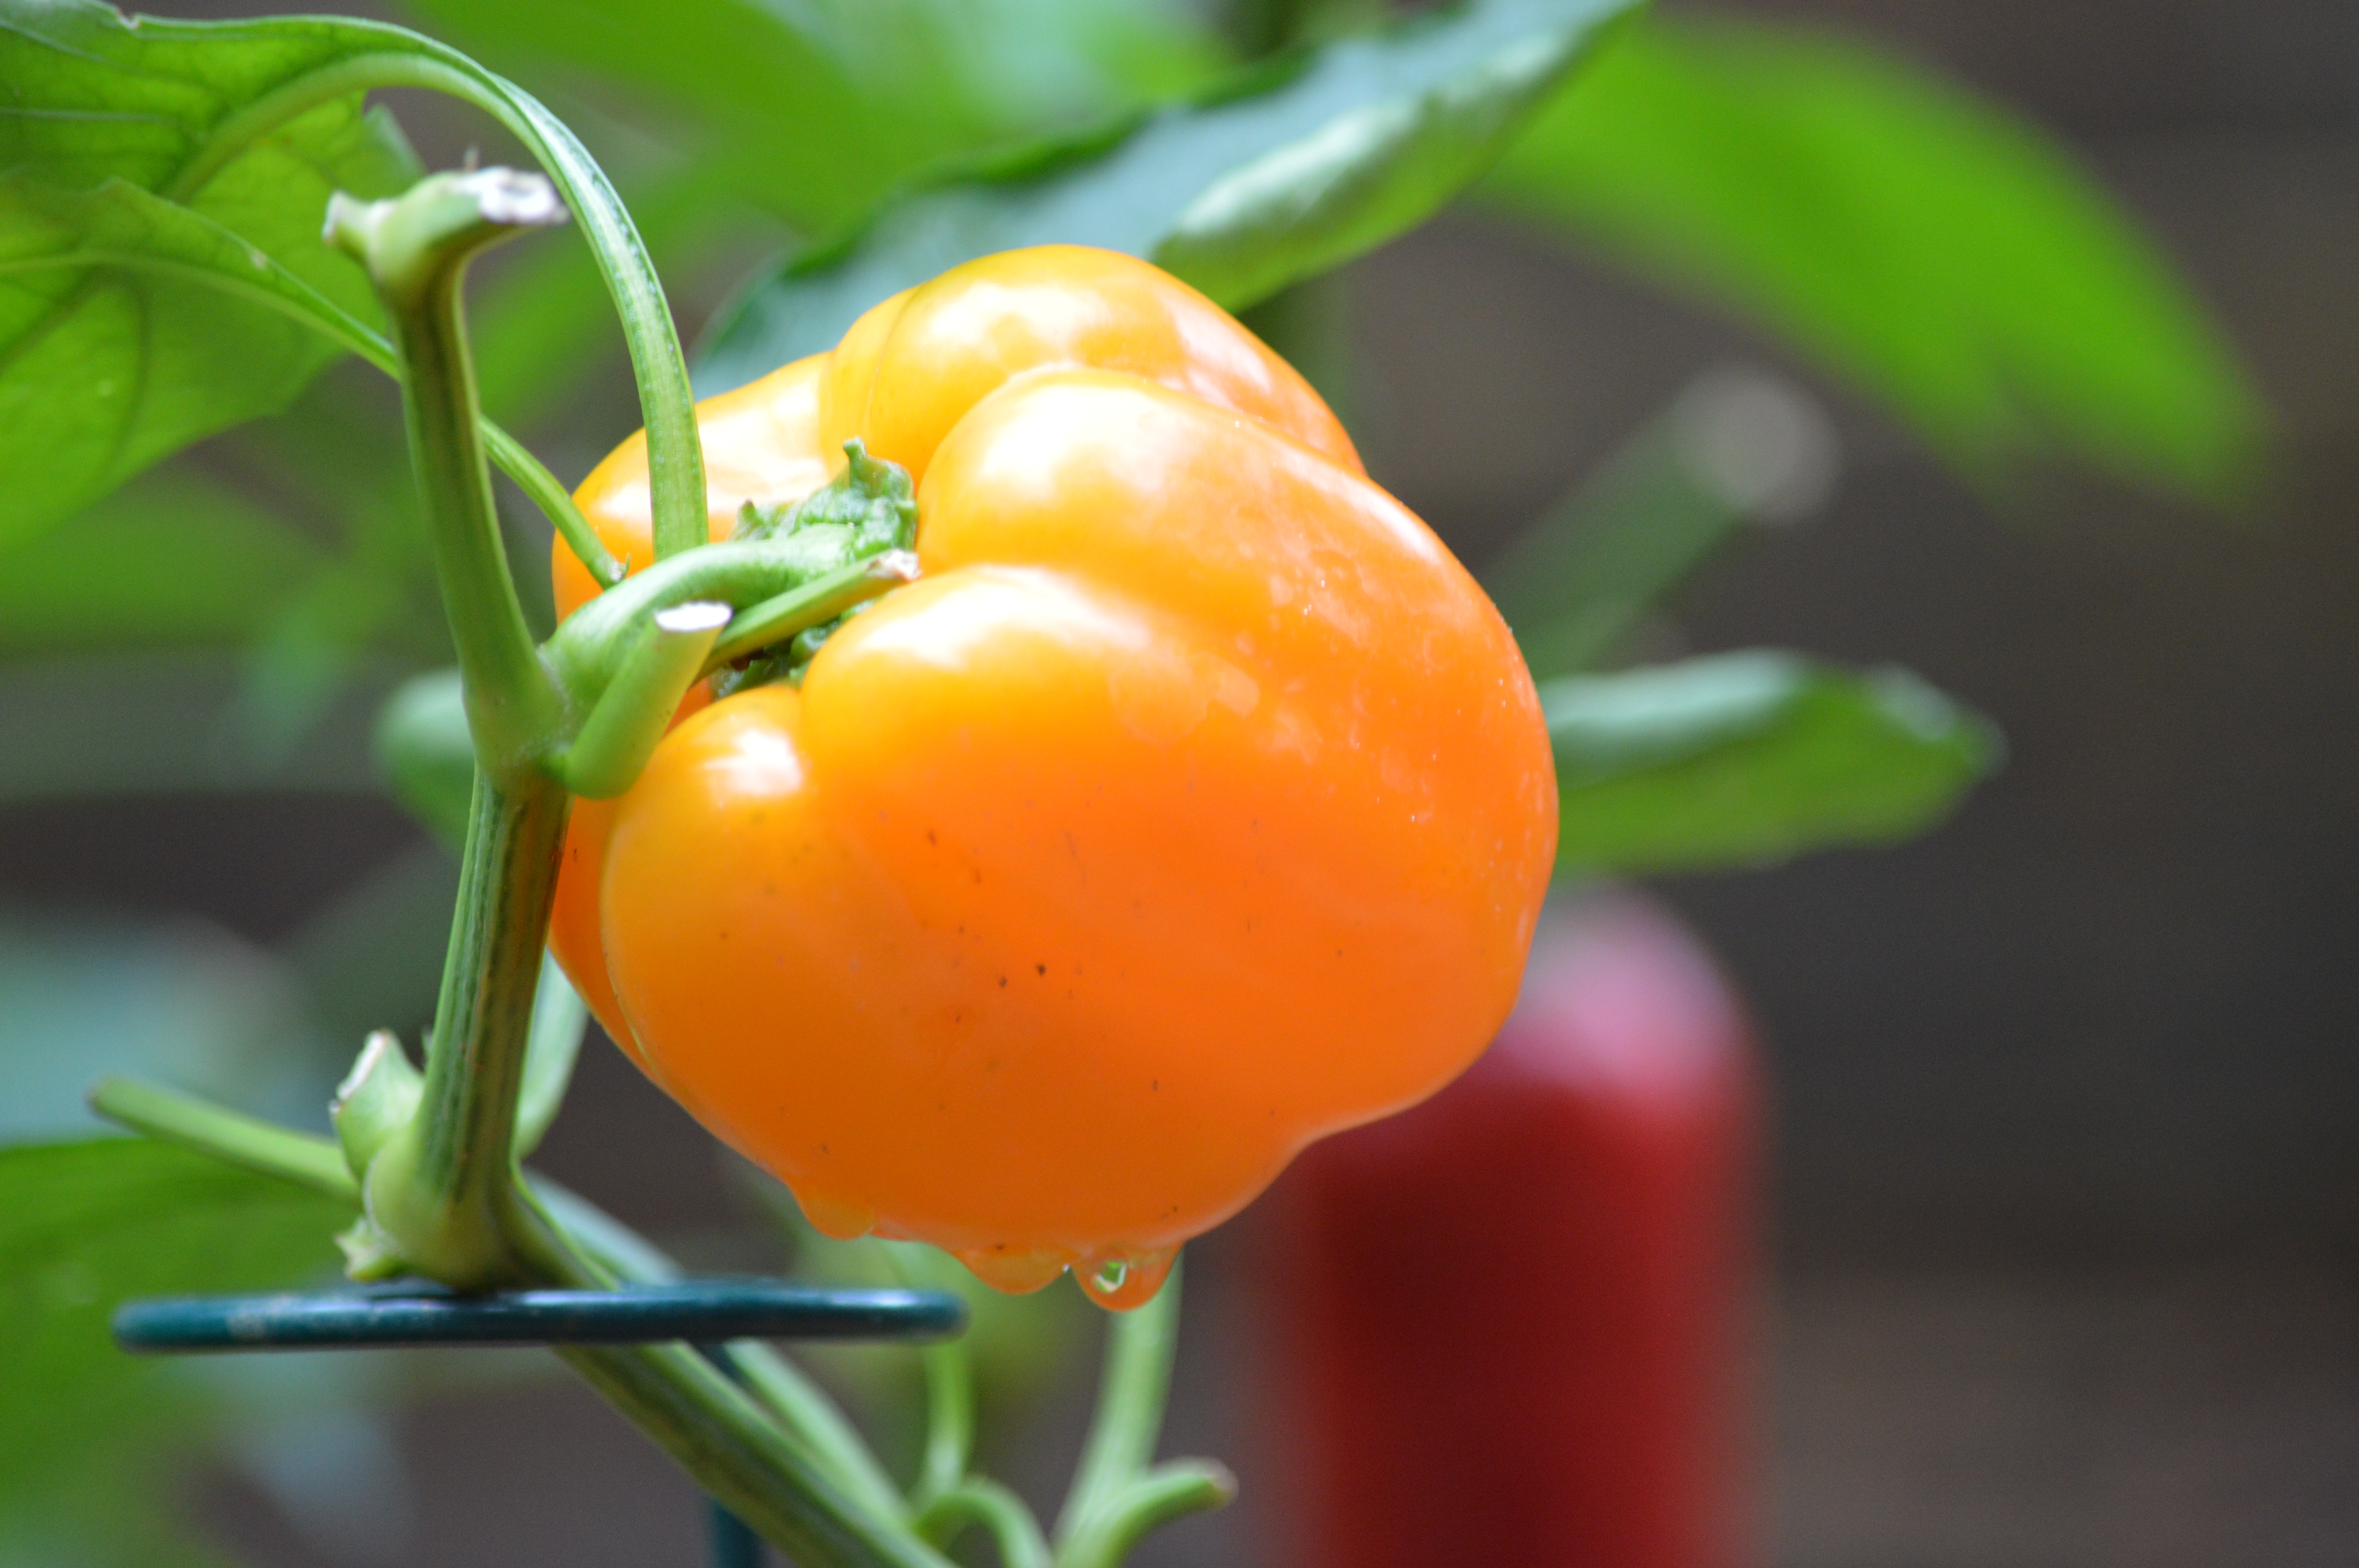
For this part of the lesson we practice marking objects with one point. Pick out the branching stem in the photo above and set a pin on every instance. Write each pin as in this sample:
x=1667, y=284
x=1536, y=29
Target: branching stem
x=383, y=55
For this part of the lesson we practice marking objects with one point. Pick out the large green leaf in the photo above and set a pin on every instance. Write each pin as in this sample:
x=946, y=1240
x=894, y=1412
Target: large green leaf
x=115, y=347
x=813, y=109
x=1748, y=759
x=1293, y=168
x=1926, y=243
x=203, y=115
x=173, y=560
x=83, y=1427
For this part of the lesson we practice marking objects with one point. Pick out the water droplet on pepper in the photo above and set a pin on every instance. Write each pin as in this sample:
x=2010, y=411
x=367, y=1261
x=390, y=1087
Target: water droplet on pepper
x=1120, y=1283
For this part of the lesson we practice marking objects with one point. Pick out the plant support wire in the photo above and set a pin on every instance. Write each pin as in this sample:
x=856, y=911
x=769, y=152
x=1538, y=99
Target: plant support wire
x=703, y=1313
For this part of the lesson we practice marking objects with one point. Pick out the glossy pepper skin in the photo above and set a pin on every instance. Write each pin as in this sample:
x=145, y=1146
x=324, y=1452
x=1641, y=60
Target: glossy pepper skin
x=1195, y=805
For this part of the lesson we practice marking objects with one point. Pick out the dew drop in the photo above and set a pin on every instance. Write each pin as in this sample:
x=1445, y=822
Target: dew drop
x=1121, y=1282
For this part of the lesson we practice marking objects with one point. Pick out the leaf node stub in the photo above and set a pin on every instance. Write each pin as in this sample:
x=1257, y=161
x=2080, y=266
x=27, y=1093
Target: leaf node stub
x=868, y=509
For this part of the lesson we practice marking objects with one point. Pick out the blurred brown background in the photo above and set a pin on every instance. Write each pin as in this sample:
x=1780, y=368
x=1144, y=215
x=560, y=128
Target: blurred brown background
x=2065, y=1183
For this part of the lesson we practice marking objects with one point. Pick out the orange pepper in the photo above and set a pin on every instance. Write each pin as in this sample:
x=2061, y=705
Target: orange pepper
x=1196, y=803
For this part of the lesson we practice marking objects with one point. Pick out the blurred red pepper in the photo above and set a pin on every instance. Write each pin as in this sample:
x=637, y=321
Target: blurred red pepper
x=1518, y=1317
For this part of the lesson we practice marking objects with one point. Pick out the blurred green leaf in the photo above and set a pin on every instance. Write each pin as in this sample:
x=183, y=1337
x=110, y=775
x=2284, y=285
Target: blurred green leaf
x=371, y=959
x=1922, y=241
x=116, y=346
x=1748, y=759
x=173, y=560
x=814, y=108
x=560, y=1019
x=85, y=1431
x=424, y=751
x=1738, y=445
x=154, y=723
x=1288, y=169
x=181, y=1002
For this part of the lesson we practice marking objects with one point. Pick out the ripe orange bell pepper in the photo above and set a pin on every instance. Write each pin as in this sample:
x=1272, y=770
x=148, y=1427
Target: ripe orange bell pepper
x=1195, y=803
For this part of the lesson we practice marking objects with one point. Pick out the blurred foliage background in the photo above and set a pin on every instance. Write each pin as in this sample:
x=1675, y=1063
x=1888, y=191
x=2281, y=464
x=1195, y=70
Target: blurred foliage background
x=1762, y=328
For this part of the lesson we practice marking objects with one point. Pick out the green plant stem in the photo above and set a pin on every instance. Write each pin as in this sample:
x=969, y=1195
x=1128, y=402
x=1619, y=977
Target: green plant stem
x=1149, y=1501
x=388, y=56
x=987, y=1503
x=639, y=700
x=800, y=1486
x=787, y=1393
x=444, y=1189
x=1116, y=1498
x=229, y=1136
x=356, y=337
x=542, y=489
x=768, y=580
x=950, y=1420
x=417, y=248
x=786, y=615
x=727, y=1441
x=810, y=1486
x=1136, y=1378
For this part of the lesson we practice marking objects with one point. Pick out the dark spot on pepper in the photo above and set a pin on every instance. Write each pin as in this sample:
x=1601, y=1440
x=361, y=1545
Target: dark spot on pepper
x=1043, y=969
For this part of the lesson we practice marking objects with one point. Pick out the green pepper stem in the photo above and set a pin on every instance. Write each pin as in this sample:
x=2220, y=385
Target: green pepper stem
x=396, y=57
x=633, y=712
x=817, y=602
x=1140, y=1346
x=444, y=1187
x=415, y=248
x=797, y=1485
x=767, y=581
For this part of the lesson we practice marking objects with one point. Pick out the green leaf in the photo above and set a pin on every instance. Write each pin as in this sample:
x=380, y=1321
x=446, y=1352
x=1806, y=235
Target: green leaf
x=183, y=1002
x=1289, y=170
x=1924, y=241
x=813, y=109
x=426, y=753
x=82, y=1226
x=372, y=957
x=196, y=112
x=1748, y=759
x=171, y=561
x=117, y=348
x=1738, y=445
x=154, y=723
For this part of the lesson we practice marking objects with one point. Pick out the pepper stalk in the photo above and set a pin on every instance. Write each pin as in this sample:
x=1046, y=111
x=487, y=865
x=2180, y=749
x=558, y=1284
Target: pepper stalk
x=441, y=1189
